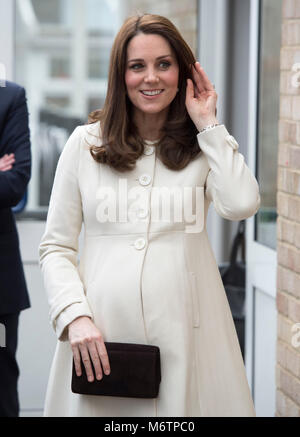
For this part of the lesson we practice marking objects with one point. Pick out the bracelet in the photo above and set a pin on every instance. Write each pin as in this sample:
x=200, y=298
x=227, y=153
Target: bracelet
x=211, y=126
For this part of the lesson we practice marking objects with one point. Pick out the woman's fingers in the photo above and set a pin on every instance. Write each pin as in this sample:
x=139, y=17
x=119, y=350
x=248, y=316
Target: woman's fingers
x=86, y=362
x=196, y=92
x=95, y=359
x=205, y=80
x=197, y=79
x=90, y=357
x=104, y=356
x=77, y=360
x=190, y=91
x=88, y=345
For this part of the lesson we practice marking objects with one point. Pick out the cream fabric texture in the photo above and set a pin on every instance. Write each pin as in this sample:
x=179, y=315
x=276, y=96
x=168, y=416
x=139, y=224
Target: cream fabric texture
x=147, y=280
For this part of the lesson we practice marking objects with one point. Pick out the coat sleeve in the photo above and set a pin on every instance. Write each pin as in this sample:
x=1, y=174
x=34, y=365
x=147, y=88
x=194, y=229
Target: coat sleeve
x=15, y=138
x=230, y=184
x=58, y=250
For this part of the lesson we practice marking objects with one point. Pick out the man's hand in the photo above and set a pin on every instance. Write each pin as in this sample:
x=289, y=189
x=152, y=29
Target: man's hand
x=6, y=162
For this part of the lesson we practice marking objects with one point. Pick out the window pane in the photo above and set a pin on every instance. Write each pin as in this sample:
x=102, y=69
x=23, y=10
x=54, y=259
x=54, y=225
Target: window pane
x=47, y=11
x=63, y=50
x=60, y=67
x=268, y=117
x=98, y=62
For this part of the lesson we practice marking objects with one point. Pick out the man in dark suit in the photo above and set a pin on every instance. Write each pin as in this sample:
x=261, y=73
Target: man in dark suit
x=15, y=170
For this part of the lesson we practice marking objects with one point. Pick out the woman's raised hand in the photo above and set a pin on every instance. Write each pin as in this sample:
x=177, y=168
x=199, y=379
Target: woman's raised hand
x=87, y=342
x=201, y=98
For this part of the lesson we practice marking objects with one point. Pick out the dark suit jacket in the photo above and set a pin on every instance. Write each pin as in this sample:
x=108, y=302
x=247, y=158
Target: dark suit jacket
x=14, y=138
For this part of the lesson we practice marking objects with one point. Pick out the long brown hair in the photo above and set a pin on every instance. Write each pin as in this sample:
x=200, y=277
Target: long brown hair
x=121, y=143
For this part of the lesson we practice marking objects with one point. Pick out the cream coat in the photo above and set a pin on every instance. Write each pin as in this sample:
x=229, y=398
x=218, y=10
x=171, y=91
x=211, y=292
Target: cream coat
x=147, y=280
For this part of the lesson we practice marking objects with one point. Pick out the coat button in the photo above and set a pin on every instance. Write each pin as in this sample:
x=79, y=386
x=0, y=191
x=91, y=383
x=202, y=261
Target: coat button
x=140, y=243
x=148, y=150
x=232, y=142
x=145, y=179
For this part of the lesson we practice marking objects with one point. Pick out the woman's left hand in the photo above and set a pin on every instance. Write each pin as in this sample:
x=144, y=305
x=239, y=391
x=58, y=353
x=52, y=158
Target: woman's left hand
x=201, y=98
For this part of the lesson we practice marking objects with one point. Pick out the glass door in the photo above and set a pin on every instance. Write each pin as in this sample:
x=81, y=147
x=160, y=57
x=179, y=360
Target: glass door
x=264, y=91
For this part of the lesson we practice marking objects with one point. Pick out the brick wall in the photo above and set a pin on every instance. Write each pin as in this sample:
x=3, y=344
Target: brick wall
x=288, y=222
x=182, y=13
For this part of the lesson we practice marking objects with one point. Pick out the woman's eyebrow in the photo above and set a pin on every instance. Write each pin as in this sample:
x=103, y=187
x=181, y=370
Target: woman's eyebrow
x=140, y=59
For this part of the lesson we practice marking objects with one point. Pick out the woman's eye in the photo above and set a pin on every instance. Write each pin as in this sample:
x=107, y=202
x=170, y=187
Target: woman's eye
x=136, y=66
x=164, y=64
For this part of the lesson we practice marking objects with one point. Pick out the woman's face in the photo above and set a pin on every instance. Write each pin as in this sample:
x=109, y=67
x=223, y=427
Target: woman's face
x=152, y=73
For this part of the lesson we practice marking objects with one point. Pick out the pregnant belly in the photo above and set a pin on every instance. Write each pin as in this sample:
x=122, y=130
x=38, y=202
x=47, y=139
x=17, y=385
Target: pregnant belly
x=133, y=293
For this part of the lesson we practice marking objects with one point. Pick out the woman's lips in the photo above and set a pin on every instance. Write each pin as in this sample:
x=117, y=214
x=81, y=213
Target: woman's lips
x=151, y=96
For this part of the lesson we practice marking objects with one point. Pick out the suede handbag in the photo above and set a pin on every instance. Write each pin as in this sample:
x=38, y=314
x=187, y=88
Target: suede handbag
x=134, y=373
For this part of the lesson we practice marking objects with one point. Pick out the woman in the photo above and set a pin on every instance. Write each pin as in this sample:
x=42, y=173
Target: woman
x=147, y=273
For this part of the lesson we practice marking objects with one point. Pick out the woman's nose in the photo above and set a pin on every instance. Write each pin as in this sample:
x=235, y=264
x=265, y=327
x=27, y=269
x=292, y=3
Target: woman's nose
x=151, y=76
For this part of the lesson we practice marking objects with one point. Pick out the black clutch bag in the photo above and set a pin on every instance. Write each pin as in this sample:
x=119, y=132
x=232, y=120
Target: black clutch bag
x=134, y=373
